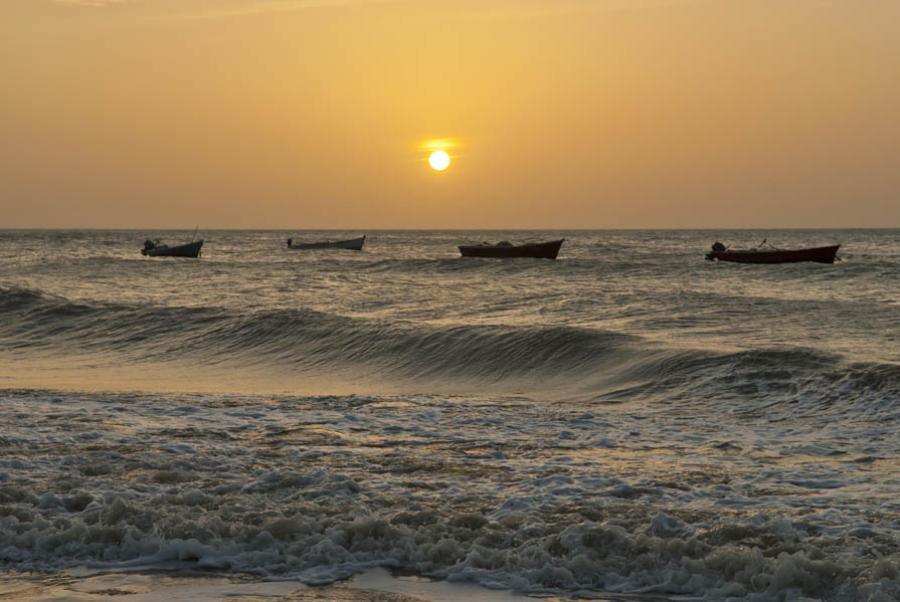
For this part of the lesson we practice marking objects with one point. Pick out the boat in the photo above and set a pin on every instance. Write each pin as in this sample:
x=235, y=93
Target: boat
x=770, y=254
x=352, y=244
x=155, y=248
x=504, y=249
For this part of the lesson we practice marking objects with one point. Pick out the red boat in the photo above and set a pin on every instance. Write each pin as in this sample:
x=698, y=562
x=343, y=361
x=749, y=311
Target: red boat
x=540, y=250
x=773, y=255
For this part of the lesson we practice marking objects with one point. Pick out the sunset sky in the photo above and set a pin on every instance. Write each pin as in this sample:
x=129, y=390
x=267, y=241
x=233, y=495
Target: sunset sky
x=554, y=113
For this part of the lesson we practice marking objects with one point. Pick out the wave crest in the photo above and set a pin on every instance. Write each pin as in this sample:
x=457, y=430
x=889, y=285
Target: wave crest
x=613, y=366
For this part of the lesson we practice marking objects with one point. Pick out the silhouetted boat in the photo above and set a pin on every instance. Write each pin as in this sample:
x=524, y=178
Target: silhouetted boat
x=773, y=255
x=154, y=248
x=541, y=250
x=353, y=244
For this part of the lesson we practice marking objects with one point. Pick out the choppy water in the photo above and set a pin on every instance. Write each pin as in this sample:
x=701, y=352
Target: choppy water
x=629, y=418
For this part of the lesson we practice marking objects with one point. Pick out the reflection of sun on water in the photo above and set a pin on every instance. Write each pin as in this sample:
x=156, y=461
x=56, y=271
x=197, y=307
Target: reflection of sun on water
x=439, y=160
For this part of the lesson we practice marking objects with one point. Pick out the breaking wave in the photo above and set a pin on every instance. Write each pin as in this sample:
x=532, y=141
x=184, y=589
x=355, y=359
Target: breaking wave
x=615, y=366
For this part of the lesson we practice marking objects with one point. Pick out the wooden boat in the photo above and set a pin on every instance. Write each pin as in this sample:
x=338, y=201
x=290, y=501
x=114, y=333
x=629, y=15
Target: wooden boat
x=353, y=244
x=154, y=248
x=541, y=250
x=773, y=255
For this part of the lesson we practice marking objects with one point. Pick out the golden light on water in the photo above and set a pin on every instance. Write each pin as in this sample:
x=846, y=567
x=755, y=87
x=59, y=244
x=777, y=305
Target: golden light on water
x=439, y=160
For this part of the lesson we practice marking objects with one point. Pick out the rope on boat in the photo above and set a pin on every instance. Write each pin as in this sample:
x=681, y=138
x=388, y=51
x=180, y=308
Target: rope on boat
x=765, y=243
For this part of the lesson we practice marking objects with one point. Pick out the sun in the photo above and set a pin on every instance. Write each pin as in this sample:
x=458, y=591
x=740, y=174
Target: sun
x=439, y=160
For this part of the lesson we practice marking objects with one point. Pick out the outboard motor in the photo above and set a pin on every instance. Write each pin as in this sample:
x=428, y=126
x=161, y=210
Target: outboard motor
x=290, y=240
x=716, y=249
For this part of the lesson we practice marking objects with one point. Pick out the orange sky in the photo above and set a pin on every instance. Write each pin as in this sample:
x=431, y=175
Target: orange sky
x=564, y=113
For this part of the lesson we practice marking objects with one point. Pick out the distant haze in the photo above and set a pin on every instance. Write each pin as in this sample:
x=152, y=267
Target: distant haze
x=559, y=113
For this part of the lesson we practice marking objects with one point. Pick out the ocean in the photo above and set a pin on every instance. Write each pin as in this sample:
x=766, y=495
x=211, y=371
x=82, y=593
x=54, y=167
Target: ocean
x=629, y=420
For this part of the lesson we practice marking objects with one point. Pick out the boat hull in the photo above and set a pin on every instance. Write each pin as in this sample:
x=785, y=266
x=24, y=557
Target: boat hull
x=353, y=244
x=817, y=254
x=191, y=249
x=543, y=250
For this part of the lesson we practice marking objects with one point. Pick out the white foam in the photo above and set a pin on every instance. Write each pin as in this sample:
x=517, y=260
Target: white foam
x=321, y=489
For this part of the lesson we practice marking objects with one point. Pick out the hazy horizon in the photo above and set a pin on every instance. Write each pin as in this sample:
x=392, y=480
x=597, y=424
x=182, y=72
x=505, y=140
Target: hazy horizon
x=321, y=114
x=498, y=229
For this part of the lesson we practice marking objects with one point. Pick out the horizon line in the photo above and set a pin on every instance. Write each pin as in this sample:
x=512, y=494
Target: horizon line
x=557, y=229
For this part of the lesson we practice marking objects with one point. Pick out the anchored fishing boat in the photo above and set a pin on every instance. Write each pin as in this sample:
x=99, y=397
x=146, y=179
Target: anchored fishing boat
x=155, y=248
x=504, y=249
x=769, y=254
x=353, y=244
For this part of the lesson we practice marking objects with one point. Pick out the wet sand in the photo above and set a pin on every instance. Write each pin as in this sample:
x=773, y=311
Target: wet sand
x=376, y=585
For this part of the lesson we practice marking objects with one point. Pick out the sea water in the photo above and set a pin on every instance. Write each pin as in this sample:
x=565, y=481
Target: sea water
x=627, y=419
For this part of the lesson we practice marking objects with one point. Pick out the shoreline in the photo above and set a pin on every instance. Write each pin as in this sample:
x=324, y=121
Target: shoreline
x=373, y=585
